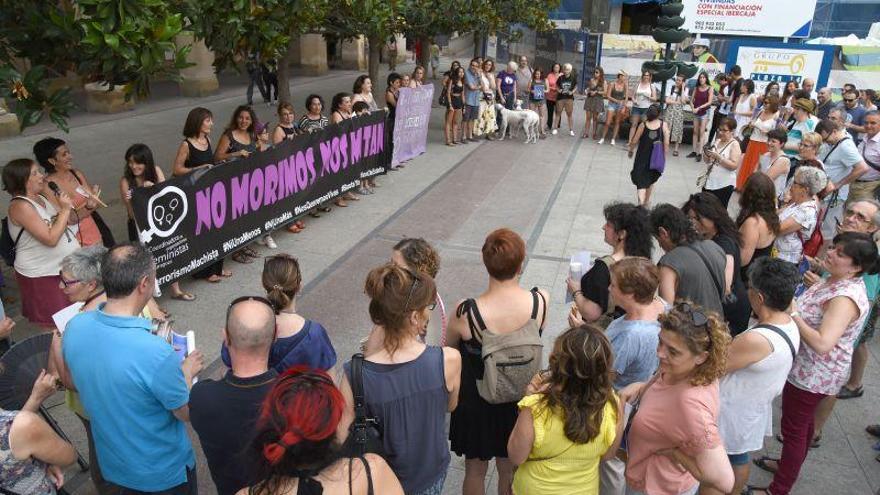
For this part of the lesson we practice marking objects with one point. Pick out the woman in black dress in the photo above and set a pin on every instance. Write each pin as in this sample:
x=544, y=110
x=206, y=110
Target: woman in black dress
x=195, y=153
x=479, y=430
x=455, y=90
x=653, y=130
x=392, y=92
x=710, y=218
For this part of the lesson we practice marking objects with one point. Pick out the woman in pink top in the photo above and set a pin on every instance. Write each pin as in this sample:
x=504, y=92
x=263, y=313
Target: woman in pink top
x=550, y=96
x=673, y=444
x=829, y=317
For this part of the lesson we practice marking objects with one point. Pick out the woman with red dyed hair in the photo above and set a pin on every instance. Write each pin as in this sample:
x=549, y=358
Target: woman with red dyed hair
x=479, y=430
x=299, y=438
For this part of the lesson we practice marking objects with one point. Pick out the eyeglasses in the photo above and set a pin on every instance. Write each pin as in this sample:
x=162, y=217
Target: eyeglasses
x=412, y=289
x=806, y=145
x=67, y=283
x=698, y=318
x=858, y=216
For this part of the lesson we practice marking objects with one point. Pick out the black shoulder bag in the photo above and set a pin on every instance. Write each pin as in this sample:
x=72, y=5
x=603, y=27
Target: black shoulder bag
x=778, y=331
x=725, y=299
x=365, y=433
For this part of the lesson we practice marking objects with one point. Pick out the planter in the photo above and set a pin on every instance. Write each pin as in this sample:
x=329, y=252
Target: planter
x=9, y=124
x=101, y=100
x=72, y=80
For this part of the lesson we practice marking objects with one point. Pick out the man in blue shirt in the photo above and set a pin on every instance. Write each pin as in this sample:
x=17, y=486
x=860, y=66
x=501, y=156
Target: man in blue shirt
x=472, y=83
x=132, y=383
x=855, y=115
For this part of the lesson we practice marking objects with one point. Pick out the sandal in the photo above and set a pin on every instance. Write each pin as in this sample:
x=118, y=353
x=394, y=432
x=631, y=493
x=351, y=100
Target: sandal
x=750, y=489
x=214, y=279
x=340, y=203
x=241, y=257
x=762, y=462
x=182, y=296
x=314, y=214
x=873, y=430
x=816, y=440
x=350, y=197
x=294, y=228
x=674, y=153
x=249, y=251
x=848, y=393
x=226, y=274
x=325, y=209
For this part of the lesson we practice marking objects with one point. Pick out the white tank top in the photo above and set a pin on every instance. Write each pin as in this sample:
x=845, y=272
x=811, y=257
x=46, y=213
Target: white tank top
x=747, y=394
x=33, y=258
x=720, y=177
x=643, y=96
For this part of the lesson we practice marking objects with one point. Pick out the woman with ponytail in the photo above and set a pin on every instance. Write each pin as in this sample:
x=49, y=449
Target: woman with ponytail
x=299, y=438
x=297, y=339
x=408, y=386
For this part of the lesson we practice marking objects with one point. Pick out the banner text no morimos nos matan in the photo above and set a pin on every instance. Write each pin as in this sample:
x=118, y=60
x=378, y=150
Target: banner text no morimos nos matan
x=189, y=222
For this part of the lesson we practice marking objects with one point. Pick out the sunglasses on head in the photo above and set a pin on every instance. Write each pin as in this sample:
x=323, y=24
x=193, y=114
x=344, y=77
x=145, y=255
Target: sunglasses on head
x=248, y=298
x=698, y=318
x=412, y=288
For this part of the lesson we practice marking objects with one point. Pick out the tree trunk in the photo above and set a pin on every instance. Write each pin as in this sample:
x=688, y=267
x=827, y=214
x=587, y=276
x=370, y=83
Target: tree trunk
x=425, y=59
x=478, y=44
x=373, y=62
x=284, y=73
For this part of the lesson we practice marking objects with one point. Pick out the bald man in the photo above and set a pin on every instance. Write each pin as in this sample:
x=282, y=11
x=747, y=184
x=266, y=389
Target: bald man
x=223, y=412
x=823, y=97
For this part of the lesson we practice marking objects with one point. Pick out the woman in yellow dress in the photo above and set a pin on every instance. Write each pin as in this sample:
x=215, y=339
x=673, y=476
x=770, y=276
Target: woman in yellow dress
x=569, y=420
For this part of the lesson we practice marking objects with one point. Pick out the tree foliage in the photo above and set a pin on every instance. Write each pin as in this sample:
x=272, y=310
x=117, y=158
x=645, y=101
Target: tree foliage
x=125, y=41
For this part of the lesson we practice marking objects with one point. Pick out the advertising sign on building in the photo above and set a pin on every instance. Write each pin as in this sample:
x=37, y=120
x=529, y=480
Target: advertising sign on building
x=781, y=62
x=776, y=18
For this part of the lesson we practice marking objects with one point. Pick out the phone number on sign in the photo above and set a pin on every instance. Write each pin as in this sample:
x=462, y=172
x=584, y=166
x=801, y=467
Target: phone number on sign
x=708, y=26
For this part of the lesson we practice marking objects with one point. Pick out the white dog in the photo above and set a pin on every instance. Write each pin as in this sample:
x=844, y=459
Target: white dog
x=528, y=120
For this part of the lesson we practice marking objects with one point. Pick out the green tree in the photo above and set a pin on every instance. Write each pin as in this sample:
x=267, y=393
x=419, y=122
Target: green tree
x=125, y=42
x=38, y=41
x=234, y=28
x=377, y=20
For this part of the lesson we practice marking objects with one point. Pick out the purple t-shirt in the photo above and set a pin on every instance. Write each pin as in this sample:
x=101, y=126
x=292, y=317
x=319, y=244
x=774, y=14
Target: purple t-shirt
x=508, y=79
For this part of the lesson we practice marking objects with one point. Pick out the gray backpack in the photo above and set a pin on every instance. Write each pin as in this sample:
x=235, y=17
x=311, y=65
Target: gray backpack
x=510, y=360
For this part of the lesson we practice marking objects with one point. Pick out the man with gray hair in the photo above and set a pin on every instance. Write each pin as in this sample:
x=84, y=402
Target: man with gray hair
x=132, y=384
x=823, y=97
x=224, y=412
x=866, y=186
x=843, y=164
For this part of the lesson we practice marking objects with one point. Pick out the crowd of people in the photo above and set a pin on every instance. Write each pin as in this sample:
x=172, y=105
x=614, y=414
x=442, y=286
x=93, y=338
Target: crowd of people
x=662, y=382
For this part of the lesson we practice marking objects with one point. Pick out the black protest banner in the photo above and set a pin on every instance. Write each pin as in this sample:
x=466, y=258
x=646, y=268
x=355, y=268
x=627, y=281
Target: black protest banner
x=189, y=222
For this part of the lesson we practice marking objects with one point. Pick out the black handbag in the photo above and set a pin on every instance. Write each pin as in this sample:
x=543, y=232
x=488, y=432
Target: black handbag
x=365, y=432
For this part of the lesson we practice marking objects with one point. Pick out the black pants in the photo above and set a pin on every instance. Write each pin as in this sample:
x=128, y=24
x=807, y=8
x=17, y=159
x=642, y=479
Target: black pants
x=271, y=81
x=722, y=194
x=255, y=78
x=716, y=120
x=551, y=109
x=188, y=487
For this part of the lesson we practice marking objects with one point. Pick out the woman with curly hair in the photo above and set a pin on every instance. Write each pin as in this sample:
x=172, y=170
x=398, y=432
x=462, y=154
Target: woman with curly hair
x=299, y=438
x=758, y=222
x=628, y=231
x=569, y=420
x=674, y=423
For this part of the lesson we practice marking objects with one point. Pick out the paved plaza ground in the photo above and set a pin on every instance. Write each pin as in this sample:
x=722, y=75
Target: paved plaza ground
x=551, y=192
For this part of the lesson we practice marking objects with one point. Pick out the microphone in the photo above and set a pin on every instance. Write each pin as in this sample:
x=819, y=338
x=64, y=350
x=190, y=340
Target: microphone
x=54, y=187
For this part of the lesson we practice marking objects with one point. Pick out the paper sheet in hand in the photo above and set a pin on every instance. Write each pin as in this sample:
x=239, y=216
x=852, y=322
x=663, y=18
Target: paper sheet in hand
x=64, y=316
x=584, y=258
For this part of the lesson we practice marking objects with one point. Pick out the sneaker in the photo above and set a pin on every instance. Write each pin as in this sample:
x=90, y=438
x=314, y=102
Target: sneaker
x=612, y=142
x=571, y=133
x=692, y=154
x=699, y=158
x=601, y=141
x=554, y=131
x=269, y=242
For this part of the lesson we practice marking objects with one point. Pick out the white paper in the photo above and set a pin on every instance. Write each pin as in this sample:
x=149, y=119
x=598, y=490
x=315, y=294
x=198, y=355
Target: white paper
x=63, y=317
x=584, y=258
x=82, y=192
